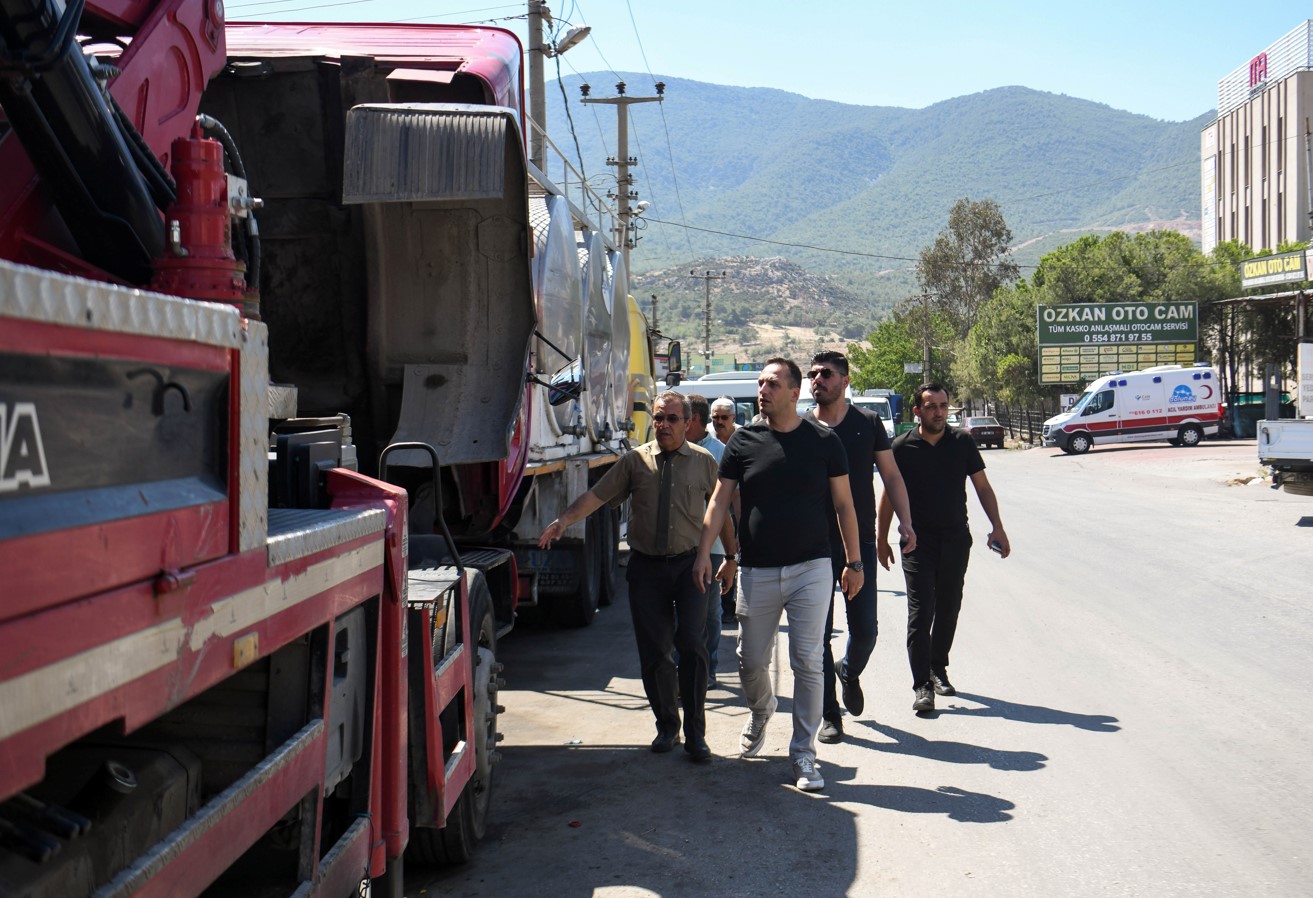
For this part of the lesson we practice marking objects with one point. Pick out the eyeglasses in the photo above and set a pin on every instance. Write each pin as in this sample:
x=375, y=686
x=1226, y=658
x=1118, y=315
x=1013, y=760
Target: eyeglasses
x=822, y=373
x=721, y=417
x=667, y=418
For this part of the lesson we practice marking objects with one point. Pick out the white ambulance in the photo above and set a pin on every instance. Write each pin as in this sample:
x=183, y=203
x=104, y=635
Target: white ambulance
x=1178, y=404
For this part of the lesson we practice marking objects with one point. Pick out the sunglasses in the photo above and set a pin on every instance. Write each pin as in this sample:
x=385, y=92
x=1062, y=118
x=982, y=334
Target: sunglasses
x=822, y=373
x=667, y=418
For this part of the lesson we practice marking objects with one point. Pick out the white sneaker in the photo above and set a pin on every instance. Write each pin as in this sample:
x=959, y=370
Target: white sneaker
x=808, y=775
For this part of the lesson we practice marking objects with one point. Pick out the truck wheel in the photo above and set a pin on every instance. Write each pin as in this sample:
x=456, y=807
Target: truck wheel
x=1079, y=443
x=1191, y=435
x=454, y=843
x=579, y=609
x=610, y=530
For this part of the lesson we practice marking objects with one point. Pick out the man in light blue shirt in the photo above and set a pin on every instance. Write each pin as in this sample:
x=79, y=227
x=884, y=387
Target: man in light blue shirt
x=699, y=433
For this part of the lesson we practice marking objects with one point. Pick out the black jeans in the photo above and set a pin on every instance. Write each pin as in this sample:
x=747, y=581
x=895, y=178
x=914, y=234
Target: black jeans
x=863, y=628
x=934, y=575
x=669, y=611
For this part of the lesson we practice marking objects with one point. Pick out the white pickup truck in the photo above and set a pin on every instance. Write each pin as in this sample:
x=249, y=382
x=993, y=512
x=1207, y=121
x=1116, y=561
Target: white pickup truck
x=1287, y=445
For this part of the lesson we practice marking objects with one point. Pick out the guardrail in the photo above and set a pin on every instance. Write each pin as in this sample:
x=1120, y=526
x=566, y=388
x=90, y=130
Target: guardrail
x=559, y=175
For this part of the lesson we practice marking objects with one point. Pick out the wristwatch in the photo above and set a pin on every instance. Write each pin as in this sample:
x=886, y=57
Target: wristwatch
x=854, y=566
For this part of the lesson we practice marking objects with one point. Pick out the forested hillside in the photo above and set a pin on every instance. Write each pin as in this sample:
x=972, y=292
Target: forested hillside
x=852, y=193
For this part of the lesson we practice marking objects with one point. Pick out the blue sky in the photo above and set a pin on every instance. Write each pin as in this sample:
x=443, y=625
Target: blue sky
x=1160, y=58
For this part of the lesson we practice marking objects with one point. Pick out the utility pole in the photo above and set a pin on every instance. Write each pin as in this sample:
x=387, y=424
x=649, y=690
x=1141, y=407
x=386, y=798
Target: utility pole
x=537, y=101
x=654, y=317
x=706, y=279
x=624, y=192
x=925, y=333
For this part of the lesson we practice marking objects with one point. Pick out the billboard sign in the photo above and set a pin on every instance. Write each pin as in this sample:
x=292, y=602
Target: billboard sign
x=1082, y=341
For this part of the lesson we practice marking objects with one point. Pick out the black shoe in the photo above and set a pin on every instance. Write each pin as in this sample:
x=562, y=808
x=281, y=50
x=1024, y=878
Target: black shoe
x=665, y=742
x=939, y=679
x=697, y=749
x=925, y=698
x=853, y=699
x=831, y=731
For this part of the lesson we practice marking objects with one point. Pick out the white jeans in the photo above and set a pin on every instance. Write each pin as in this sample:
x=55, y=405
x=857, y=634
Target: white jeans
x=802, y=592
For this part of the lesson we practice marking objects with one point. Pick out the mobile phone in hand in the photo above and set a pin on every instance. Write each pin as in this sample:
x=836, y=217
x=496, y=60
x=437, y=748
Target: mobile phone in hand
x=996, y=546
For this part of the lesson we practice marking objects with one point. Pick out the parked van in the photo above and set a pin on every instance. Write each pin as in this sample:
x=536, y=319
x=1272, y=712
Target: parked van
x=1180, y=405
x=741, y=386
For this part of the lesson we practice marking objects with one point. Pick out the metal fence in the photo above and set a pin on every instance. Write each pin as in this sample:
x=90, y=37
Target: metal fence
x=1024, y=424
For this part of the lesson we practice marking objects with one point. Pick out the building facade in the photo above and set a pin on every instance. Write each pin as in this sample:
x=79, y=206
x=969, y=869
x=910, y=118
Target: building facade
x=1255, y=158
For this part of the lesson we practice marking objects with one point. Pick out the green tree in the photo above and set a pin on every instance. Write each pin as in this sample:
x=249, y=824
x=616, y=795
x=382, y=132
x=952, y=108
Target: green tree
x=967, y=262
x=878, y=363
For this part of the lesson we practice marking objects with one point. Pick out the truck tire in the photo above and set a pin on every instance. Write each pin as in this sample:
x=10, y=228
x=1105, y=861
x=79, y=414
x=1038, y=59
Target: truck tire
x=1079, y=443
x=610, y=555
x=454, y=843
x=579, y=608
x=1191, y=435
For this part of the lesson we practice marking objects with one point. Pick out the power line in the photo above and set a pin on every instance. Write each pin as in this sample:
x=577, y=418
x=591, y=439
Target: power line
x=665, y=124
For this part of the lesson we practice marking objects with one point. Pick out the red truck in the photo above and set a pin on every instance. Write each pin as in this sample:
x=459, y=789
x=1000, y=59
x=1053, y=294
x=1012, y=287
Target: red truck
x=268, y=376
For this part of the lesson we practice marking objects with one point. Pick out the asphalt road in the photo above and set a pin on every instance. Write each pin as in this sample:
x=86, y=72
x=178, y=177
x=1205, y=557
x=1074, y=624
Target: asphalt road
x=1132, y=721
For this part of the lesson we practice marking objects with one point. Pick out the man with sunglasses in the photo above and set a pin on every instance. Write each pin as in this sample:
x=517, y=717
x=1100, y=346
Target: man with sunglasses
x=793, y=477
x=669, y=481
x=867, y=444
x=722, y=419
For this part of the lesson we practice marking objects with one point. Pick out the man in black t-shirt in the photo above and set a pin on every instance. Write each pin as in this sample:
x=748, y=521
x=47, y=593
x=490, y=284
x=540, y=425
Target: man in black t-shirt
x=793, y=477
x=935, y=461
x=867, y=445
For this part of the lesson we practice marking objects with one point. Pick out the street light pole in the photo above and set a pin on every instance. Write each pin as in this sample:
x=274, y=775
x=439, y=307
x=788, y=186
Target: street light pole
x=706, y=279
x=538, y=13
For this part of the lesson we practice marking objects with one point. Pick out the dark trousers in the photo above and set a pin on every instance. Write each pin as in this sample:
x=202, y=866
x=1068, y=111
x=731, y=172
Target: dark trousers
x=669, y=611
x=863, y=627
x=934, y=575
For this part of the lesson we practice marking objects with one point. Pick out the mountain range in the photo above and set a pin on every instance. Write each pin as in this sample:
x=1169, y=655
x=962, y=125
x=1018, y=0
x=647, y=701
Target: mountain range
x=852, y=193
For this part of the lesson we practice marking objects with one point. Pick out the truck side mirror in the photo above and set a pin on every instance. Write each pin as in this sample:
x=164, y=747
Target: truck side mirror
x=674, y=379
x=675, y=363
x=567, y=384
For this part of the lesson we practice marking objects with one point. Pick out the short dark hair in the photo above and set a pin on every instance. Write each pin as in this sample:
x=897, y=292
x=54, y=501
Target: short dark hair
x=832, y=357
x=930, y=387
x=700, y=408
x=673, y=396
x=794, y=371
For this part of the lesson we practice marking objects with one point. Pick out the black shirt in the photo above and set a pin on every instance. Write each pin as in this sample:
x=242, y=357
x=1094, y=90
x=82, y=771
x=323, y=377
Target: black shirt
x=936, y=477
x=862, y=433
x=784, y=483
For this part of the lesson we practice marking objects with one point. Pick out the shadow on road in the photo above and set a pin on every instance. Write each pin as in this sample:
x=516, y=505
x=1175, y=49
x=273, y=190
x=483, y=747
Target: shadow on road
x=905, y=743
x=575, y=821
x=997, y=707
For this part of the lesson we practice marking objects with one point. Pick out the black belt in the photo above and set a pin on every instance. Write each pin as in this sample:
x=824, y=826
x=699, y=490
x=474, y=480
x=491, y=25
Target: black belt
x=675, y=557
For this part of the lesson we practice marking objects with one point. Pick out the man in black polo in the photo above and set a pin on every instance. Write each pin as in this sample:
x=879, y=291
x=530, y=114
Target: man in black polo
x=669, y=481
x=864, y=440
x=935, y=461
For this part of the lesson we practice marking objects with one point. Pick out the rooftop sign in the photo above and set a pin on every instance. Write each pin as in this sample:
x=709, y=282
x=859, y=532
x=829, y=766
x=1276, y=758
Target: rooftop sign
x=1290, y=53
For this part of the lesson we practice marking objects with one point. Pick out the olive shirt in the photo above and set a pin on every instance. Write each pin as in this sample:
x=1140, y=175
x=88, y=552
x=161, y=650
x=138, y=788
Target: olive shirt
x=637, y=475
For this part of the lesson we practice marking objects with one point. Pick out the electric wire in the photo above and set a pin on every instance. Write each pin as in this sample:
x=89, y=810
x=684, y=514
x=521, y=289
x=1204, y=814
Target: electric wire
x=670, y=149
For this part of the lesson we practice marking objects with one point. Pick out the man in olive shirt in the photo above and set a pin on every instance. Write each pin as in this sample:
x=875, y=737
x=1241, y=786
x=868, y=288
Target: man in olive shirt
x=668, y=608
